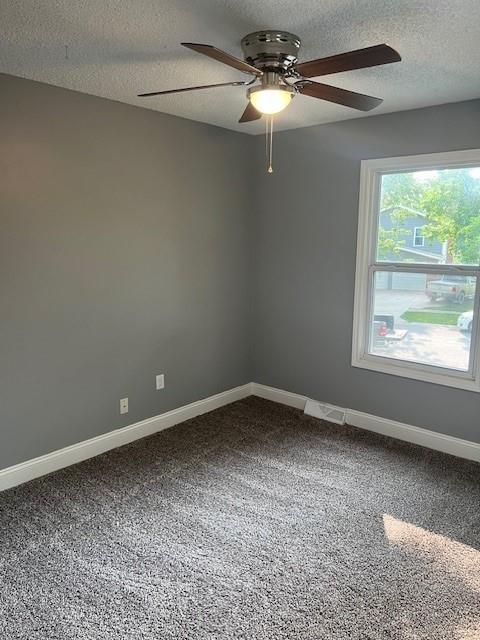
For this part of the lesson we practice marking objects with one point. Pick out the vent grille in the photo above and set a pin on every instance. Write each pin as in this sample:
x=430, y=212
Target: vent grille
x=325, y=411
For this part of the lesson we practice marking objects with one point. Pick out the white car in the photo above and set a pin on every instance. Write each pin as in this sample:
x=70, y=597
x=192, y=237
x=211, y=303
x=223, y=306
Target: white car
x=465, y=321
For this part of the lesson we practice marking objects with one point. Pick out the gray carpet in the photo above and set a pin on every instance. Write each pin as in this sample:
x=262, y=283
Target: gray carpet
x=252, y=521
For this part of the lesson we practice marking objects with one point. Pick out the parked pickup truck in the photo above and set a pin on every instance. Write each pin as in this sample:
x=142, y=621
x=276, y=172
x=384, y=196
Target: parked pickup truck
x=452, y=288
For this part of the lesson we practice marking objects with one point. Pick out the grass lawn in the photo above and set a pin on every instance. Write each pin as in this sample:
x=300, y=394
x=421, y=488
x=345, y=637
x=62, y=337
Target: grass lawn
x=443, y=305
x=431, y=317
x=440, y=312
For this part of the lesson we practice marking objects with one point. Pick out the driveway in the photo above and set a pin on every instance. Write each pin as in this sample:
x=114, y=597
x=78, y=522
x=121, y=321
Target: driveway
x=395, y=303
x=435, y=344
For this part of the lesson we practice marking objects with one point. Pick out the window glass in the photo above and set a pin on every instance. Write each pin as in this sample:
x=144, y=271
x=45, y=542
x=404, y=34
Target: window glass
x=418, y=237
x=423, y=318
x=430, y=217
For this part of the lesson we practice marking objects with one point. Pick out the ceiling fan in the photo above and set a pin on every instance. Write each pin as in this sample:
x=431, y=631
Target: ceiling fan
x=270, y=57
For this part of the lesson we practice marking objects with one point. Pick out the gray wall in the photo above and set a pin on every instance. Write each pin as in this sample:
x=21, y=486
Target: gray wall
x=123, y=254
x=134, y=243
x=305, y=265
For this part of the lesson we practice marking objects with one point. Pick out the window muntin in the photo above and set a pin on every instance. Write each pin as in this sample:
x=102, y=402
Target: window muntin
x=387, y=248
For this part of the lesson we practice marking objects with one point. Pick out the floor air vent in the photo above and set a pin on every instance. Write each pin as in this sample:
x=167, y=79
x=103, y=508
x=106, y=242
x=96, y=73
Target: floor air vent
x=324, y=411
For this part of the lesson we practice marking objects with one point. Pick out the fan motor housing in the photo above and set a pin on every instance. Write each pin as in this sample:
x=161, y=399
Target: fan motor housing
x=271, y=49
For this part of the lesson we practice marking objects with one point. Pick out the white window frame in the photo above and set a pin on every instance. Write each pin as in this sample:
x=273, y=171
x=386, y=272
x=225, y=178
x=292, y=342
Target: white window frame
x=370, y=182
x=415, y=229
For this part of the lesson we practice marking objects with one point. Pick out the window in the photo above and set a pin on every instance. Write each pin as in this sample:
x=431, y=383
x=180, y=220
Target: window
x=418, y=237
x=418, y=268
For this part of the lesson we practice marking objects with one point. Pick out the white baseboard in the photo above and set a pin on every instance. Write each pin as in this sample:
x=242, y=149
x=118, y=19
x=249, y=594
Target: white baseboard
x=399, y=430
x=277, y=395
x=20, y=473
x=25, y=471
x=416, y=435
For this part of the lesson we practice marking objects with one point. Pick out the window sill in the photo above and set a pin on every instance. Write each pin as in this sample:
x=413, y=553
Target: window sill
x=413, y=371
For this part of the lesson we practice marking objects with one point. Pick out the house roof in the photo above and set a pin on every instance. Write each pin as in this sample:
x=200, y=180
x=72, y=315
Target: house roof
x=401, y=207
x=438, y=257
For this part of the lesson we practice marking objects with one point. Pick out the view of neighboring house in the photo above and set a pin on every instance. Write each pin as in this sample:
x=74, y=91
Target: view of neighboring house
x=412, y=247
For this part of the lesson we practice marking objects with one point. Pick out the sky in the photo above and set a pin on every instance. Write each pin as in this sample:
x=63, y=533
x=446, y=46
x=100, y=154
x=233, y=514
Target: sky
x=425, y=176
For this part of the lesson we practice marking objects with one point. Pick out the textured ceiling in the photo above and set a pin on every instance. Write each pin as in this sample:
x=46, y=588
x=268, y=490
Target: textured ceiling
x=119, y=48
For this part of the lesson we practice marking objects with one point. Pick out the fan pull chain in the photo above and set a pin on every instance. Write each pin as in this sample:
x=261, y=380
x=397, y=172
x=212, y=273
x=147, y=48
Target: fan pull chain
x=269, y=142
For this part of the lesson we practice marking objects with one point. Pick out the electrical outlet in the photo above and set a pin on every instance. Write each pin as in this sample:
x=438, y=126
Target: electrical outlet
x=160, y=381
x=124, y=405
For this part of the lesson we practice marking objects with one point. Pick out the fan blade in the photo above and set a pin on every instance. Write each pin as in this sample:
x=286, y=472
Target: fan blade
x=221, y=56
x=359, y=59
x=340, y=96
x=203, y=86
x=250, y=114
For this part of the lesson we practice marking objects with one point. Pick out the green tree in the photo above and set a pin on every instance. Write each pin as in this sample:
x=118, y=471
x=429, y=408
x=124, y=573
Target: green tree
x=451, y=201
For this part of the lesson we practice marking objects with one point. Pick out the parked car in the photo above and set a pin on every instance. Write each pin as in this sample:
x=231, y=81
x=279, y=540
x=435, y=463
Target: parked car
x=465, y=321
x=452, y=288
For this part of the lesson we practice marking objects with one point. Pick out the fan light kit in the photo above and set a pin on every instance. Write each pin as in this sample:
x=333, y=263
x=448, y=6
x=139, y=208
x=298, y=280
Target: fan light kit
x=271, y=57
x=269, y=99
